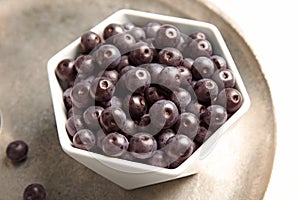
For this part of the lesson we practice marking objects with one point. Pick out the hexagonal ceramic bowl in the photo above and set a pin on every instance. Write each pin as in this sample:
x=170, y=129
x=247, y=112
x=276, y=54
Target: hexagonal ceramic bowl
x=127, y=174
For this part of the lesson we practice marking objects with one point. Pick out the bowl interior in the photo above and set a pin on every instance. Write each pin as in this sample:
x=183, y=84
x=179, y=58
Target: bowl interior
x=141, y=18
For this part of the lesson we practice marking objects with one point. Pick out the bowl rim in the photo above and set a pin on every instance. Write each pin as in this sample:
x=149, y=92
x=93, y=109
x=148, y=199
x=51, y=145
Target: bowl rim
x=59, y=108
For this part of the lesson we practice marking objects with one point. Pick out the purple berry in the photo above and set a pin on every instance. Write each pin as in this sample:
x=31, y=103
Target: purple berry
x=89, y=41
x=34, y=191
x=142, y=145
x=112, y=29
x=84, y=139
x=163, y=114
x=114, y=144
x=17, y=151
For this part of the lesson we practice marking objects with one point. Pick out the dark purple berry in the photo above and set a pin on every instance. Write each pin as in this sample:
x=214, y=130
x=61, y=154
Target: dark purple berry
x=112, y=29
x=215, y=116
x=186, y=76
x=206, y=90
x=163, y=137
x=128, y=26
x=202, y=135
x=197, y=48
x=166, y=92
x=169, y=77
x=84, y=78
x=34, y=191
x=175, y=164
x=231, y=99
x=145, y=120
x=154, y=69
x=196, y=108
x=158, y=159
x=70, y=112
x=170, y=56
x=111, y=75
x=125, y=70
x=181, y=98
x=84, y=139
x=80, y=95
x=141, y=54
x=112, y=118
x=187, y=124
x=151, y=29
x=136, y=78
x=203, y=67
x=163, y=114
x=115, y=144
x=129, y=127
x=145, y=125
x=137, y=106
x=224, y=78
x=100, y=135
x=124, y=42
x=167, y=36
x=84, y=65
x=115, y=102
x=197, y=35
x=152, y=95
x=17, y=151
x=67, y=98
x=182, y=44
x=91, y=117
x=142, y=145
x=138, y=33
x=75, y=111
x=128, y=156
x=89, y=41
x=123, y=63
x=219, y=62
x=107, y=57
x=102, y=89
x=66, y=71
x=179, y=147
x=74, y=124
x=187, y=63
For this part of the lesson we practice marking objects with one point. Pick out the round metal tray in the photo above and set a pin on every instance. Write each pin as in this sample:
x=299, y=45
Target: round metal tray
x=238, y=168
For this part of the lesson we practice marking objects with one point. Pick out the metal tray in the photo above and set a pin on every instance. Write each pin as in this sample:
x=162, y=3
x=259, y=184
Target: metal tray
x=31, y=32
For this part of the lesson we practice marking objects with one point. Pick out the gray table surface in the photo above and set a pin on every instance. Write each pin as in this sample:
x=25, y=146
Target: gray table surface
x=32, y=31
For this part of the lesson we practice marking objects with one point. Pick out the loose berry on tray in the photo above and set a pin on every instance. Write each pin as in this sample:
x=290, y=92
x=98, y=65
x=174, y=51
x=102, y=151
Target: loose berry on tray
x=34, y=191
x=17, y=151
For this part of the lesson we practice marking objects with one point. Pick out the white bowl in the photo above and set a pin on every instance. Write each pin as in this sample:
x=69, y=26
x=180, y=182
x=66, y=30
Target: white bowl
x=127, y=174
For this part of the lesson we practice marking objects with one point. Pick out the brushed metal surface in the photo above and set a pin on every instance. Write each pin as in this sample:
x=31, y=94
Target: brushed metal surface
x=32, y=31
